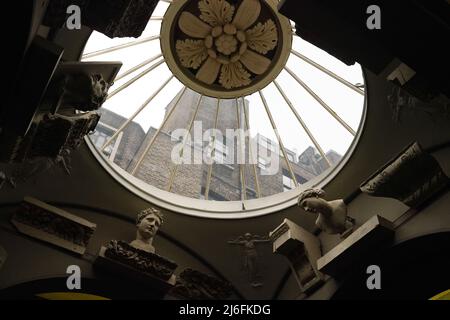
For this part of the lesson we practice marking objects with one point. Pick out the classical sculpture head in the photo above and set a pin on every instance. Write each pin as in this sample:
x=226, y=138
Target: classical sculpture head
x=311, y=200
x=332, y=216
x=148, y=222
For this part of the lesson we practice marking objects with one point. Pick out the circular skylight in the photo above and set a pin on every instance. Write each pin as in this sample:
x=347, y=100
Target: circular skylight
x=227, y=113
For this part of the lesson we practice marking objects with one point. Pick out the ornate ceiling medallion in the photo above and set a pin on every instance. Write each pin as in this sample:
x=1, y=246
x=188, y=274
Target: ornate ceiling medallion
x=225, y=49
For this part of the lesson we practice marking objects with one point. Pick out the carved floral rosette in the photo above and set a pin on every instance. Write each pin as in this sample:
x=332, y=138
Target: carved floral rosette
x=140, y=260
x=412, y=177
x=225, y=48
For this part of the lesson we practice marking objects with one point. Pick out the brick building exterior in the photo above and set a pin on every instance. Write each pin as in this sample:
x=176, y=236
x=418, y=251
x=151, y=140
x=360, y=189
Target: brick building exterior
x=191, y=179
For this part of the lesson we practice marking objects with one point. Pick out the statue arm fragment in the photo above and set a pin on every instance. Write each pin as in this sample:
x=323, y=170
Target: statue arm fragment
x=238, y=240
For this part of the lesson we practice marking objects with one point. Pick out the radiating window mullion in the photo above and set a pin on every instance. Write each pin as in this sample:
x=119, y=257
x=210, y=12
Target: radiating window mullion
x=240, y=154
x=134, y=79
x=255, y=171
x=328, y=72
x=135, y=114
x=137, y=67
x=302, y=123
x=280, y=142
x=175, y=169
x=112, y=156
x=321, y=102
x=119, y=47
x=161, y=127
x=210, y=167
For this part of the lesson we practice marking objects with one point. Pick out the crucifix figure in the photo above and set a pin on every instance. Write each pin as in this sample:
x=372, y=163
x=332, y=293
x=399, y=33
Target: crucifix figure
x=250, y=256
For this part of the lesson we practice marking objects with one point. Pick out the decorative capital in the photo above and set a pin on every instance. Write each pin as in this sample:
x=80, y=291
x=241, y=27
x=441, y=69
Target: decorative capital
x=413, y=177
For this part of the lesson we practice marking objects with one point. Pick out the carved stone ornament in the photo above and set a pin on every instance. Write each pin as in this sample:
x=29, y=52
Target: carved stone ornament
x=402, y=103
x=85, y=92
x=50, y=224
x=139, y=260
x=50, y=136
x=225, y=49
x=302, y=249
x=195, y=285
x=412, y=177
x=118, y=18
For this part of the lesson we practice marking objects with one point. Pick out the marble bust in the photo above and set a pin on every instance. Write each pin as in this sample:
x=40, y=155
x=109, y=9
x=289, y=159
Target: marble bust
x=332, y=215
x=148, y=222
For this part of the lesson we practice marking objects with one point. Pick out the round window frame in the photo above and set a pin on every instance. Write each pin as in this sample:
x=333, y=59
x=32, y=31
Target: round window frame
x=231, y=210
x=226, y=210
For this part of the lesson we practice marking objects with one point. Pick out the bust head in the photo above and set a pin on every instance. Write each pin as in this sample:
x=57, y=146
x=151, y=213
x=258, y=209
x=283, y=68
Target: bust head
x=311, y=200
x=148, y=222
